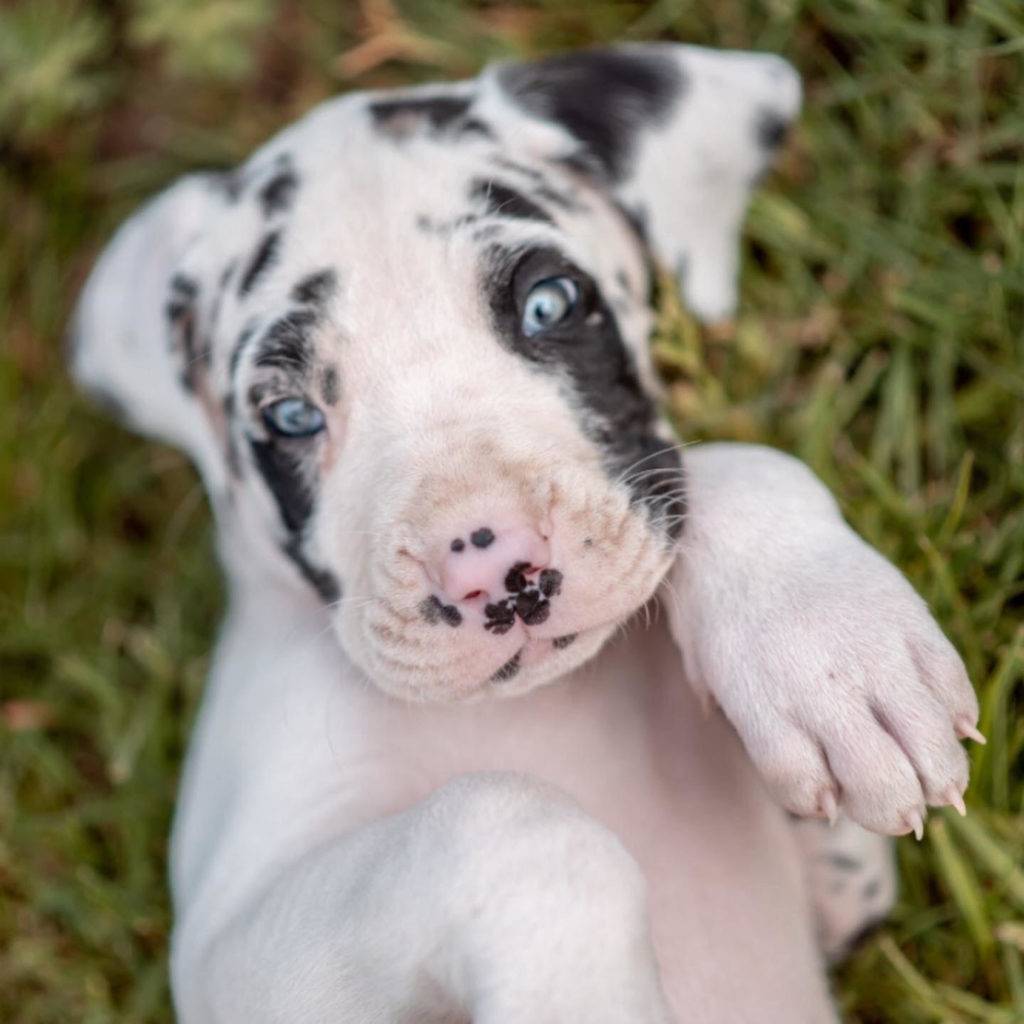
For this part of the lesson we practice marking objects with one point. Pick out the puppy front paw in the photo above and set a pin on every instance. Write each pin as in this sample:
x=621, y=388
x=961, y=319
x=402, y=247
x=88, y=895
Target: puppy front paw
x=842, y=686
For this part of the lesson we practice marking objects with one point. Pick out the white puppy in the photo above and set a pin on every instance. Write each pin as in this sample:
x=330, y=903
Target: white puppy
x=405, y=344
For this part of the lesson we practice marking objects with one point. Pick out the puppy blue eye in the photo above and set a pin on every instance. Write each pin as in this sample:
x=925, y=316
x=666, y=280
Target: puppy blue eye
x=294, y=417
x=548, y=303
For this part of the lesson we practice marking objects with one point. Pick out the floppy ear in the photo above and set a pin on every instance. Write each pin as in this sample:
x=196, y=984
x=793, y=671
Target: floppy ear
x=137, y=342
x=679, y=135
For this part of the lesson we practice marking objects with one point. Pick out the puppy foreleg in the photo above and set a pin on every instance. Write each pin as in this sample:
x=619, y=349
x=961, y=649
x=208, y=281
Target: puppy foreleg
x=495, y=900
x=844, y=689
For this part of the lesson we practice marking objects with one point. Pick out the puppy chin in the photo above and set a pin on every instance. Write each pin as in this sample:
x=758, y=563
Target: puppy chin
x=524, y=666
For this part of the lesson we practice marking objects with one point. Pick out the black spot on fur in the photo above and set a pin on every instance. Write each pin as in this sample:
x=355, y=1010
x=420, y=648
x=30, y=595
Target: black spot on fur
x=771, y=130
x=437, y=111
x=280, y=463
x=315, y=289
x=586, y=351
x=238, y=349
x=262, y=260
x=561, y=642
x=181, y=313
x=474, y=126
x=323, y=581
x=871, y=890
x=451, y=615
x=550, y=582
x=434, y=610
x=844, y=862
x=500, y=160
x=509, y=669
x=277, y=195
x=329, y=385
x=286, y=344
x=458, y=545
x=228, y=183
x=602, y=97
x=482, y=538
x=233, y=460
x=504, y=201
x=636, y=218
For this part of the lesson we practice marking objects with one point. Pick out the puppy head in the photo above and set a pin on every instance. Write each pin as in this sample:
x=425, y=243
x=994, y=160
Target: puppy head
x=406, y=345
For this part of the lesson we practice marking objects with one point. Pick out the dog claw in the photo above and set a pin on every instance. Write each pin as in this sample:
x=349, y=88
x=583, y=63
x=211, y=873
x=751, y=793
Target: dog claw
x=967, y=730
x=914, y=822
x=954, y=798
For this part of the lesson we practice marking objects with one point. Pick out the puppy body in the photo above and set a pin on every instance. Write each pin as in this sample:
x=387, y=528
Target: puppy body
x=295, y=750
x=460, y=756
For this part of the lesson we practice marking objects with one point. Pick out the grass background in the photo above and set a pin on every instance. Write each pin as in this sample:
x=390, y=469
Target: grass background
x=881, y=337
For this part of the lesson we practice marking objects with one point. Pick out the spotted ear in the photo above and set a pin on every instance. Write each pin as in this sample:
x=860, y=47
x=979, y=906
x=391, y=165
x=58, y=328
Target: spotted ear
x=137, y=340
x=679, y=135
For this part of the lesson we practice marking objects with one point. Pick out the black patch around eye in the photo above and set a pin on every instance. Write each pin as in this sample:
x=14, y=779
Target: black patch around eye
x=438, y=111
x=587, y=351
x=262, y=260
x=323, y=581
x=503, y=201
x=602, y=97
x=315, y=289
x=287, y=344
x=281, y=468
x=277, y=194
x=770, y=130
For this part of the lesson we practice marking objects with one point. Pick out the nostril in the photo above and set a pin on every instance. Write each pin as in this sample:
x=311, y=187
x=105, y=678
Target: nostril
x=472, y=595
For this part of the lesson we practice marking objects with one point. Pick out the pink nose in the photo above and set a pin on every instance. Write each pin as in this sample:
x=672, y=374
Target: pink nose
x=478, y=563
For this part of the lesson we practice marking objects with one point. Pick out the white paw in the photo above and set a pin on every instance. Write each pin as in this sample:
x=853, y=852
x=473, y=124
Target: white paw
x=828, y=664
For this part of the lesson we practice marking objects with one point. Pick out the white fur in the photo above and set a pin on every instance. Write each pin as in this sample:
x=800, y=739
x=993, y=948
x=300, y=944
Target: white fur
x=361, y=834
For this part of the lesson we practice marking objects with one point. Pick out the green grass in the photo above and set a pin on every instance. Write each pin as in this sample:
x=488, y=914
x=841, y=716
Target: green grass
x=881, y=338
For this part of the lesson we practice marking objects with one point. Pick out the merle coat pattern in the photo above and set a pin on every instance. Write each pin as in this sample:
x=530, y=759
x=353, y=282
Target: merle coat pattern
x=405, y=345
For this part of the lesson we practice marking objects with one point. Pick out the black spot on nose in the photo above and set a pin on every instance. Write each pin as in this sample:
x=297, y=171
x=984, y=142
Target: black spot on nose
x=515, y=580
x=482, y=538
x=532, y=608
x=501, y=616
x=458, y=545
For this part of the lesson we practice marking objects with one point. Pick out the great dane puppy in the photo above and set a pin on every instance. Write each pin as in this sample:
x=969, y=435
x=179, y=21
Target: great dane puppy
x=443, y=770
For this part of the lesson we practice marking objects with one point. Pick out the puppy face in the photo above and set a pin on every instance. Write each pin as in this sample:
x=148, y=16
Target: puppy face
x=435, y=395
x=410, y=336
